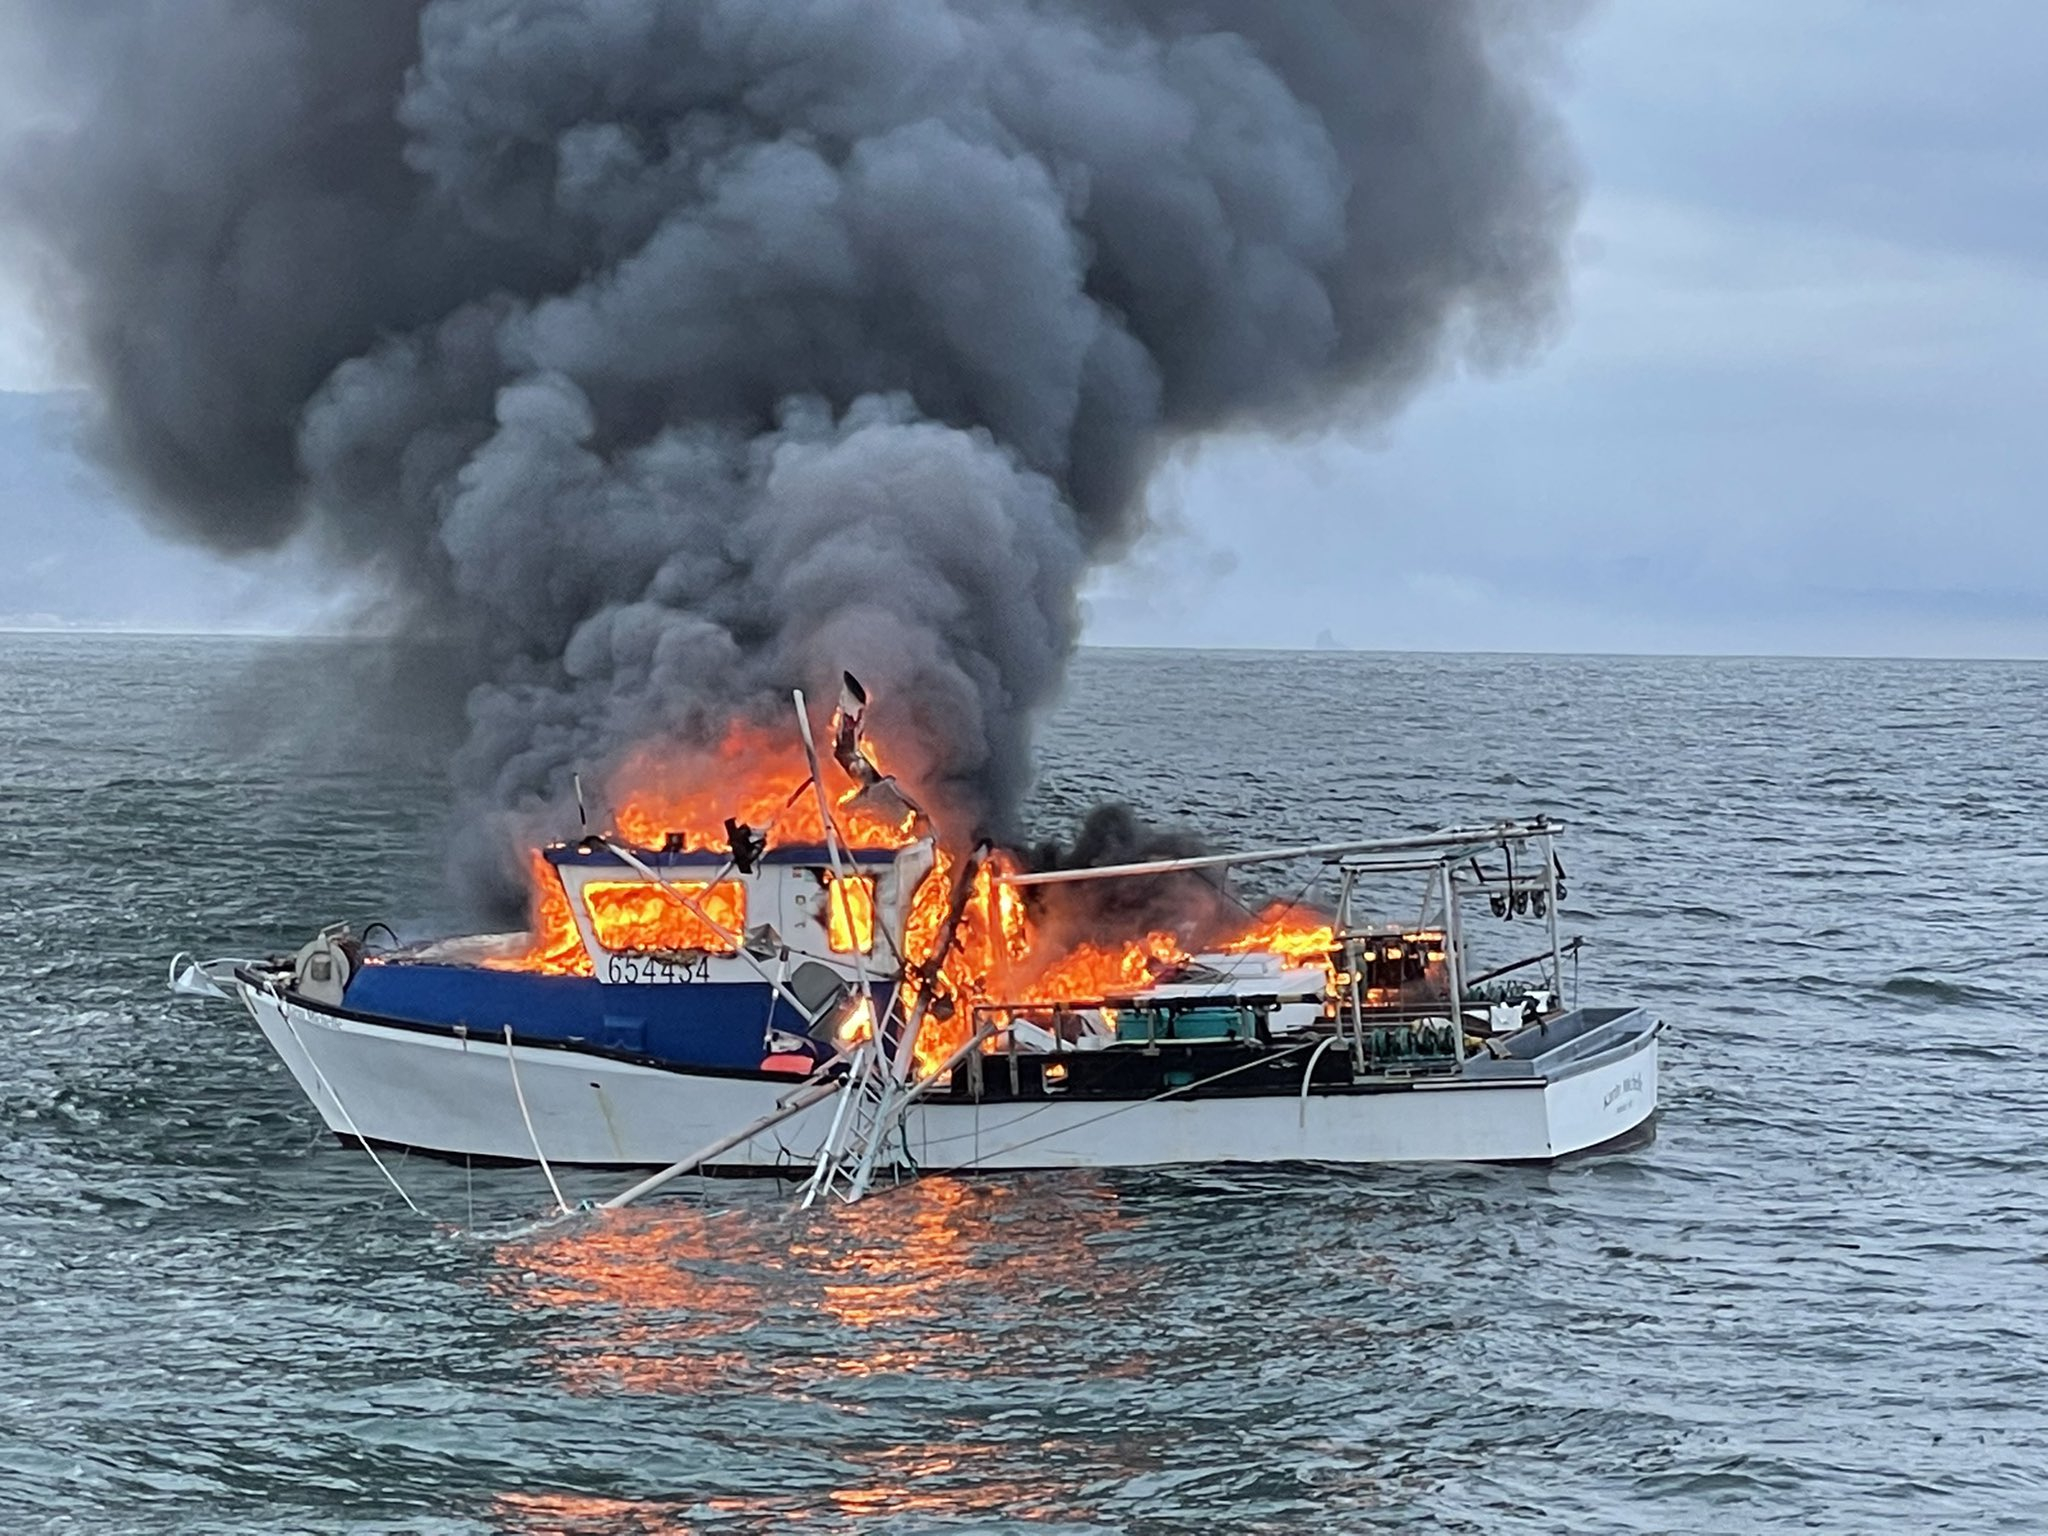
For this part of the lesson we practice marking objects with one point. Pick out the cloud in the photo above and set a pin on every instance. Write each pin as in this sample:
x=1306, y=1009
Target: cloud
x=27, y=363
x=77, y=559
x=1795, y=405
x=1757, y=435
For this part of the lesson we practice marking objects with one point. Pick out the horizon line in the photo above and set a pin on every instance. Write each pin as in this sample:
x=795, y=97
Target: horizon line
x=124, y=631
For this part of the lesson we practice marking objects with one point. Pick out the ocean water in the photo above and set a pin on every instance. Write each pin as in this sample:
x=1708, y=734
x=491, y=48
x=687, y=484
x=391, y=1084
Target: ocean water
x=1816, y=1302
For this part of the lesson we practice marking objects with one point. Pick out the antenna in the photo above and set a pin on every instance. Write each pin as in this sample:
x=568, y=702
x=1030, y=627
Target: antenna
x=582, y=815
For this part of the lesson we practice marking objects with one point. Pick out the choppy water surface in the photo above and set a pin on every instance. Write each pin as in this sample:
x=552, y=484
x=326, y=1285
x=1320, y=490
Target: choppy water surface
x=1816, y=1301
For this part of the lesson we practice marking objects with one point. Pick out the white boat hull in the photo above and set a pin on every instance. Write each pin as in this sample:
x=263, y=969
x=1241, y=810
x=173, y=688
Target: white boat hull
x=462, y=1097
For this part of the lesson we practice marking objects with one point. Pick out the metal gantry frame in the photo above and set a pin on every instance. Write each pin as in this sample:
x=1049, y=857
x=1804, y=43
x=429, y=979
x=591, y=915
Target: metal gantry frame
x=1448, y=858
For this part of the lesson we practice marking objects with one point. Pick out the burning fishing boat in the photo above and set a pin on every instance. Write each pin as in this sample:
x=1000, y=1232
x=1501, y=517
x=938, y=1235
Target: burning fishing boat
x=823, y=989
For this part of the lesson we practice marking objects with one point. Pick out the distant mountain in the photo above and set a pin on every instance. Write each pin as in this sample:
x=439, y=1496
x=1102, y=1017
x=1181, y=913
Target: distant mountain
x=73, y=554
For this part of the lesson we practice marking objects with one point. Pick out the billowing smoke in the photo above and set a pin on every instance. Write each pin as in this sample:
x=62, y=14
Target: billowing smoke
x=665, y=354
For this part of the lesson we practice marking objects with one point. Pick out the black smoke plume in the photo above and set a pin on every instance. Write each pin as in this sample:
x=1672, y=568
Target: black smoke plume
x=1190, y=904
x=659, y=355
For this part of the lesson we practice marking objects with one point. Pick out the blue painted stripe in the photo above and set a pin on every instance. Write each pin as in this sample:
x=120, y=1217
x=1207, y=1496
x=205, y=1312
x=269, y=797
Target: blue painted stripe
x=713, y=1024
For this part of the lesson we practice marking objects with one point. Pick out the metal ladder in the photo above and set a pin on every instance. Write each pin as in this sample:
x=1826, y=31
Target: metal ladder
x=866, y=1130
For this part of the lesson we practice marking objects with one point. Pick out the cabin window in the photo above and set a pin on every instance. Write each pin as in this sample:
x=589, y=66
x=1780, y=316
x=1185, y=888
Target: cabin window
x=635, y=916
x=850, y=913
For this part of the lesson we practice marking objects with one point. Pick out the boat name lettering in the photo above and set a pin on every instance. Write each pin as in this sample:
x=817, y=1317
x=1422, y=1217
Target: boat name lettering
x=656, y=969
x=1633, y=1083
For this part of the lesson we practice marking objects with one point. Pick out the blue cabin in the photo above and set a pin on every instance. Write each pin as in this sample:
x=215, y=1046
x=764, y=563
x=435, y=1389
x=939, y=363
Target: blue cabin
x=691, y=962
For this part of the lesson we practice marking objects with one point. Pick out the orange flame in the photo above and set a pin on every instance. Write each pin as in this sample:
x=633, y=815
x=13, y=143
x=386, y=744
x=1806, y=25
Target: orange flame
x=755, y=776
x=1000, y=954
x=1300, y=935
x=554, y=945
x=1101, y=970
x=851, y=914
x=632, y=915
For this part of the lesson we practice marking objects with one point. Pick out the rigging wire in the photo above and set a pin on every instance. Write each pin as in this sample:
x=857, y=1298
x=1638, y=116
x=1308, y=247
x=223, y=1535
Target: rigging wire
x=520, y=1094
x=284, y=1012
x=1124, y=1109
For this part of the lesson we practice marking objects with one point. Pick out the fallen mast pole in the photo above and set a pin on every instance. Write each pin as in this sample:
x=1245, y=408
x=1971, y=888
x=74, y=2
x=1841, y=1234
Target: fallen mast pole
x=673, y=1171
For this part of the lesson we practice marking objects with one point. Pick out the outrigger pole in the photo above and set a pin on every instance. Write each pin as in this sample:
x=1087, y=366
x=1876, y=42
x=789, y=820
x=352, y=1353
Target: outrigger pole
x=956, y=909
x=880, y=1092
x=796, y=1105
x=833, y=851
x=1450, y=837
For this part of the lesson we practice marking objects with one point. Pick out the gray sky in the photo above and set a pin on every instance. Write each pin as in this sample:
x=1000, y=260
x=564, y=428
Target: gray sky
x=1790, y=411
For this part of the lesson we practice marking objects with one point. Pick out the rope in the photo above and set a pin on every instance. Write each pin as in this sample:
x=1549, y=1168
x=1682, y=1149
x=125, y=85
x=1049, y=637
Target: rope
x=285, y=1013
x=1308, y=1075
x=520, y=1094
x=1123, y=1109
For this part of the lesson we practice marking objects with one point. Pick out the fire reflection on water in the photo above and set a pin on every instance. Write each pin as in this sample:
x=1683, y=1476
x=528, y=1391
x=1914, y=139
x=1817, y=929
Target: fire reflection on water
x=666, y=1300
x=943, y=1281
x=958, y=1480
x=949, y=1481
x=584, y=1514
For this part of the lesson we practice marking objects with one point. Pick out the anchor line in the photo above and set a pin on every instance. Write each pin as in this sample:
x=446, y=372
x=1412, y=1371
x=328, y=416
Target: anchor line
x=285, y=1012
x=520, y=1094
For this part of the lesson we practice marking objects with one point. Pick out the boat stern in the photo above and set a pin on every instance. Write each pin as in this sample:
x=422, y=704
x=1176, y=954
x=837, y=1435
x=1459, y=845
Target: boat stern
x=1599, y=1072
